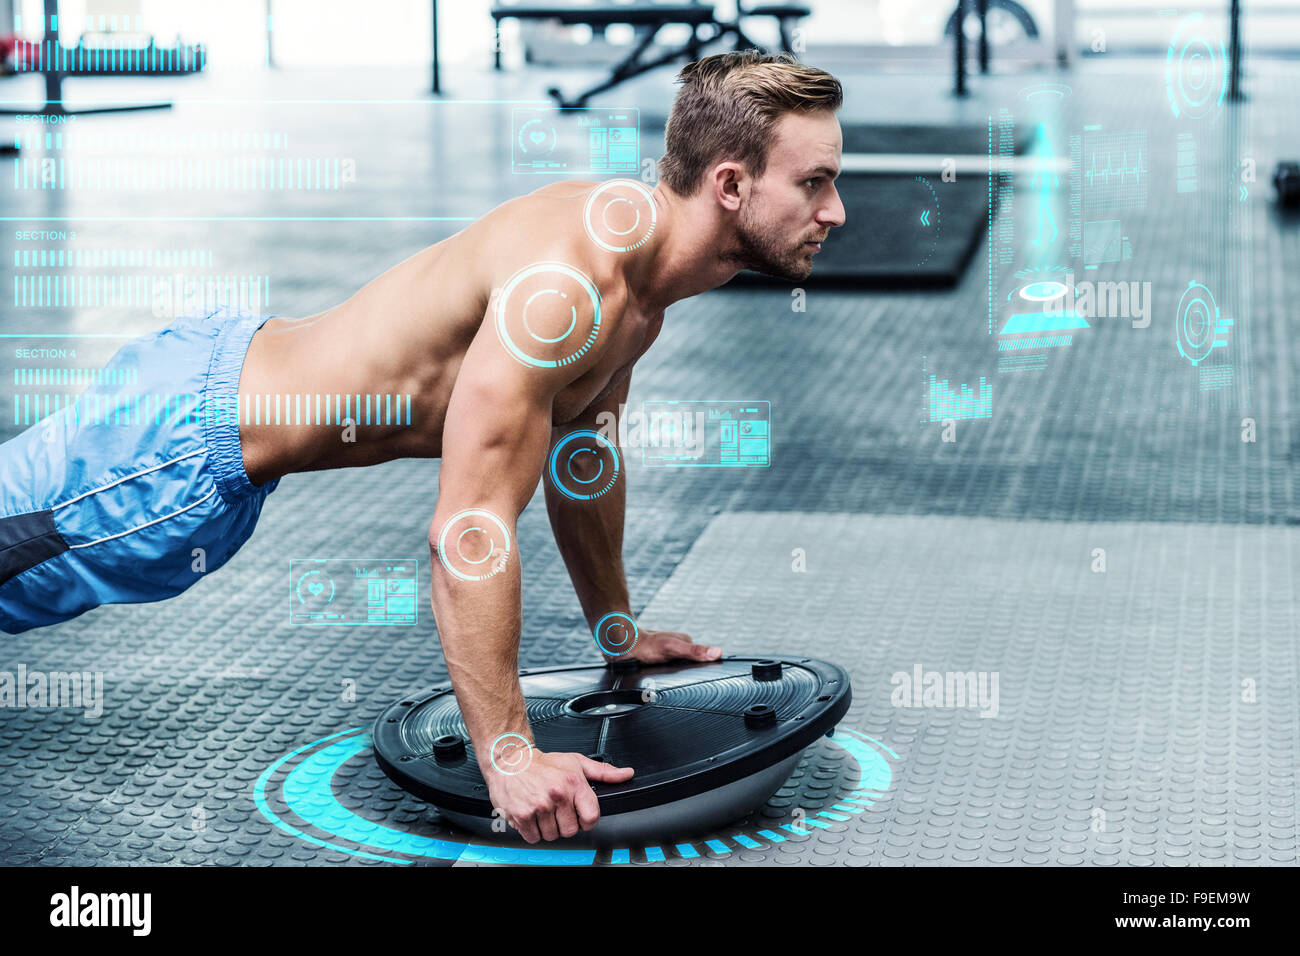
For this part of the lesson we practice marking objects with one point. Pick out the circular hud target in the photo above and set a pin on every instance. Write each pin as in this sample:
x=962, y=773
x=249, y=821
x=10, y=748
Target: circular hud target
x=584, y=465
x=511, y=753
x=474, y=545
x=620, y=215
x=1196, y=70
x=548, y=315
x=1197, y=323
x=616, y=633
x=315, y=590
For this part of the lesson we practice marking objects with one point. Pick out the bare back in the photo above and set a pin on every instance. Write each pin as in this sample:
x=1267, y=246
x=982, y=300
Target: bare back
x=406, y=332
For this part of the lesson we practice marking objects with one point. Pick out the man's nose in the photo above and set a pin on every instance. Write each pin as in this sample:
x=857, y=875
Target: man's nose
x=833, y=213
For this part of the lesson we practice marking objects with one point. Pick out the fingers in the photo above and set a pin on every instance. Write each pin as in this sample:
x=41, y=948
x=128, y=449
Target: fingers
x=684, y=649
x=565, y=802
x=604, y=772
x=588, y=808
x=527, y=827
x=566, y=817
x=546, y=825
x=674, y=648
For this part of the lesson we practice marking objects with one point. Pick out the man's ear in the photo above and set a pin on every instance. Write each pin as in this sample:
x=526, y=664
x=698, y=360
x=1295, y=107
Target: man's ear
x=729, y=185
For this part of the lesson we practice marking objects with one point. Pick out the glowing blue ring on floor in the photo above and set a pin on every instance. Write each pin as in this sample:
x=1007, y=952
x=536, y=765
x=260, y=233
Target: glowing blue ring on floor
x=635, y=187
x=557, y=451
x=503, y=300
x=307, y=791
x=614, y=618
x=503, y=554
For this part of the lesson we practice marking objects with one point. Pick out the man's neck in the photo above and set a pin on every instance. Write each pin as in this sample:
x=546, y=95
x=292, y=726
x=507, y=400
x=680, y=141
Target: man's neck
x=682, y=258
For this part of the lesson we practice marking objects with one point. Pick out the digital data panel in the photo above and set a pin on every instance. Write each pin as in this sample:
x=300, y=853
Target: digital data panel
x=708, y=434
x=352, y=591
x=576, y=141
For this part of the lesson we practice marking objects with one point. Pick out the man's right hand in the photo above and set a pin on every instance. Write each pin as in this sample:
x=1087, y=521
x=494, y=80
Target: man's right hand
x=551, y=797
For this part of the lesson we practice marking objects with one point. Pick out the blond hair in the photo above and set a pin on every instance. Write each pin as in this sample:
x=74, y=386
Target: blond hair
x=727, y=106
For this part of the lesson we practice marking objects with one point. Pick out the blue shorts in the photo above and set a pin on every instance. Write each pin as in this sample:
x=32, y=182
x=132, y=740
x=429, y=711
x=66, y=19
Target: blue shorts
x=136, y=489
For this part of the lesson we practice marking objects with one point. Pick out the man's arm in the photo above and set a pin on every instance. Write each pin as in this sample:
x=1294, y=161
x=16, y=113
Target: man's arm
x=589, y=535
x=495, y=443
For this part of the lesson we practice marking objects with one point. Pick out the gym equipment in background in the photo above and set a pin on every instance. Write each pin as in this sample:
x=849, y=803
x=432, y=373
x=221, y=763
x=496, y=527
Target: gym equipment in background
x=709, y=741
x=1286, y=180
x=104, y=55
x=647, y=19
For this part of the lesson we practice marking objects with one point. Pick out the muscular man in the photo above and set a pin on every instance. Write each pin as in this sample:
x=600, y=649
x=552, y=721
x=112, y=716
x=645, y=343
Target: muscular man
x=499, y=346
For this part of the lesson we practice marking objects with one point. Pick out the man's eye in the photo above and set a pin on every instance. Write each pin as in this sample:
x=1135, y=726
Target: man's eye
x=811, y=183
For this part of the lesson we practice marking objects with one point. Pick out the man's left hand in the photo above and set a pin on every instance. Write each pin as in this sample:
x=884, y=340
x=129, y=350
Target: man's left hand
x=658, y=647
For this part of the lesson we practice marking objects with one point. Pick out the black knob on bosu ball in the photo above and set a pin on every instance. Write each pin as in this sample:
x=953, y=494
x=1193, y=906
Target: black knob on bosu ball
x=709, y=740
x=758, y=716
x=448, y=748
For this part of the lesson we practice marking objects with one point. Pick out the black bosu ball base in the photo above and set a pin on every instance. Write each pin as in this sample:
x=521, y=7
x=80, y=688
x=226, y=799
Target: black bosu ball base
x=709, y=741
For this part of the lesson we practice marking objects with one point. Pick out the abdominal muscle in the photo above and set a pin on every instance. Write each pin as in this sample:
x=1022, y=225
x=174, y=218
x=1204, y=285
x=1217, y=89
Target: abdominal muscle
x=394, y=338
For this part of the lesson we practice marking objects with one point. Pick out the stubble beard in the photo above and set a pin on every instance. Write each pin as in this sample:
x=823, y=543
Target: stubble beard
x=762, y=248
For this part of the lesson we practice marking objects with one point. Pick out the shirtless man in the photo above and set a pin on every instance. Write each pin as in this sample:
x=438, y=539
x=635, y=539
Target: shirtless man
x=510, y=338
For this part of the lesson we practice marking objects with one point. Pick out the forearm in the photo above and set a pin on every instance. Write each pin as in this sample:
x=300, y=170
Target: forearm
x=479, y=627
x=491, y=462
x=589, y=535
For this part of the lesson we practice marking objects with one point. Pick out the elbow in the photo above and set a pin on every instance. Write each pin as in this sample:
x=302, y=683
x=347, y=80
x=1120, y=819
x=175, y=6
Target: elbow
x=472, y=544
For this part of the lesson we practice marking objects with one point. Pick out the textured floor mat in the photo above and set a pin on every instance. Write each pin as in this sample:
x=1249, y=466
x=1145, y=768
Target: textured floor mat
x=1144, y=714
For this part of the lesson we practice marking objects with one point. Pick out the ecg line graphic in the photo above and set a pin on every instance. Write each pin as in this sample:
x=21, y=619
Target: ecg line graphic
x=1138, y=169
x=1114, y=171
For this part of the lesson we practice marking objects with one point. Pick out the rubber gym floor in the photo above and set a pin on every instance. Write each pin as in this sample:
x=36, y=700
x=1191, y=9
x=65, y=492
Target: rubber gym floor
x=1146, y=714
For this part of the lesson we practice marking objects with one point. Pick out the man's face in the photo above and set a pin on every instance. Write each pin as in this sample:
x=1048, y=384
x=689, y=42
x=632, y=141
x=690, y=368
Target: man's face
x=793, y=205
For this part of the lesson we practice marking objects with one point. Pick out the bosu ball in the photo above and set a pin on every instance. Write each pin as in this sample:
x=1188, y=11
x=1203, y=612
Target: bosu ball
x=709, y=741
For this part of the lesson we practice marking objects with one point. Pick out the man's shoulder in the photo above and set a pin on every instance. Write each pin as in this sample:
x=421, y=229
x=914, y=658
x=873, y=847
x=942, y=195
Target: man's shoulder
x=558, y=297
x=565, y=228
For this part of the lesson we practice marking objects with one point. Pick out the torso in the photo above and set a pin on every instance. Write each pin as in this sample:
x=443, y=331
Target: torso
x=406, y=333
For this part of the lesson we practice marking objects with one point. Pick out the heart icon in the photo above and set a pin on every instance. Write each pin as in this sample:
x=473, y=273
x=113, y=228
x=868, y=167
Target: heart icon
x=315, y=587
x=537, y=137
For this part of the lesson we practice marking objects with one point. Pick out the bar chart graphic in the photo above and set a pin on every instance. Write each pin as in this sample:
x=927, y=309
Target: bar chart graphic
x=961, y=402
